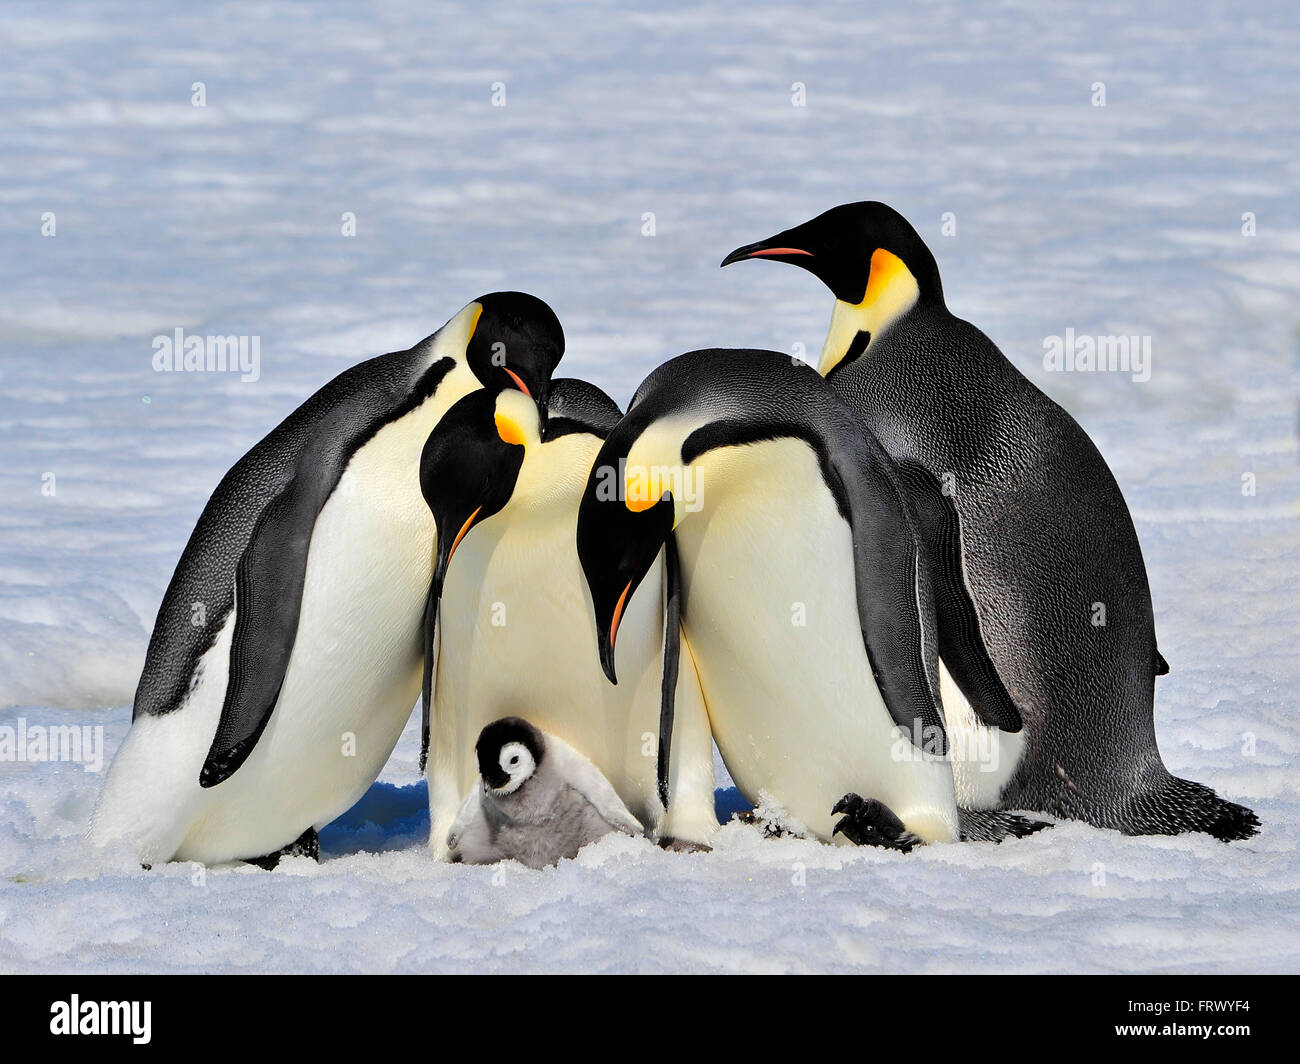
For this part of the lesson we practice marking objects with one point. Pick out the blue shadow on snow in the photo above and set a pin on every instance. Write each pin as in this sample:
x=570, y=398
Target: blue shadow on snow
x=389, y=817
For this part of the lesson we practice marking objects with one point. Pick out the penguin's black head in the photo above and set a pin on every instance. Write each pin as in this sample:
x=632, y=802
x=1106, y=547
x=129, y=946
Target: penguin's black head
x=620, y=533
x=838, y=247
x=509, y=751
x=471, y=462
x=870, y=257
x=517, y=342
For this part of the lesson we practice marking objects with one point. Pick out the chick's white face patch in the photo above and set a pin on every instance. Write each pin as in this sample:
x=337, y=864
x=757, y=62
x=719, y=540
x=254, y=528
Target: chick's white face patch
x=517, y=763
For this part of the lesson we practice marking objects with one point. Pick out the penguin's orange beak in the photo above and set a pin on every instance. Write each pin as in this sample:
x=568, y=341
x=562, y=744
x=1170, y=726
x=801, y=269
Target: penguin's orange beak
x=608, y=642
x=762, y=250
x=519, y=381
x=443, y=559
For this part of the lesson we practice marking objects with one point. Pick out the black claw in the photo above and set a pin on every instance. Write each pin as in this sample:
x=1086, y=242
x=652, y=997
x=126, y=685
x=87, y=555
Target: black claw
x=849, y=803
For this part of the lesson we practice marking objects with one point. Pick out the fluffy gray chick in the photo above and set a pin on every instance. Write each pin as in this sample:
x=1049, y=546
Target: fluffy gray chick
x=537, y=800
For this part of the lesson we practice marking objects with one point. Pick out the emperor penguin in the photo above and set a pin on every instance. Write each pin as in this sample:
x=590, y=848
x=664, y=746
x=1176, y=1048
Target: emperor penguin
x=287, y=653
x=511, y=630
x=805, y=596
x=538, y=800
x=1025, y=515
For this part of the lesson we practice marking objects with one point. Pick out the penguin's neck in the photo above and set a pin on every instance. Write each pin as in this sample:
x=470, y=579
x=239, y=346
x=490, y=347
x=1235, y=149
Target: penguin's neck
x=531, y=803
x=892, y=294
x=554, y=474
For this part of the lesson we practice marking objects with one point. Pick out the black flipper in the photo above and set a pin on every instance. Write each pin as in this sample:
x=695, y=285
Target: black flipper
x=672, y=657
x=895, y=605
x=430, y=668
x=1162, y=666
x=268, y=599
x=960, y=643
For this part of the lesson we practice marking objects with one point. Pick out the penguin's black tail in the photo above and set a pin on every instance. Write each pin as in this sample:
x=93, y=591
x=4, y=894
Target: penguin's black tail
x=1176, y=806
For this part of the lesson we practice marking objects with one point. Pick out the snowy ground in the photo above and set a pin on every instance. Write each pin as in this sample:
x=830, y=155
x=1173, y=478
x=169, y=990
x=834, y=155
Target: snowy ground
x=226, y=219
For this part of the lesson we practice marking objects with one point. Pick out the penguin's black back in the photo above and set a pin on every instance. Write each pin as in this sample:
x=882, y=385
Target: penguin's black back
x=314, y=445
x=1048, y=542
x=765, y=388
x=576, y=405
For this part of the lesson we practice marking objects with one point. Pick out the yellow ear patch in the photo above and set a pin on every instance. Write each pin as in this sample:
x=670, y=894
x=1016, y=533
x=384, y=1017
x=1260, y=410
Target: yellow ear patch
x=509, y=430
x=891, y=292
x=640, y=490
x=516, y=418
x=885, y=270
x=473, y=322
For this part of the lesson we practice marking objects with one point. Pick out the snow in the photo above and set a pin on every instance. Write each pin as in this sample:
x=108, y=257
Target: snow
x=226, y=219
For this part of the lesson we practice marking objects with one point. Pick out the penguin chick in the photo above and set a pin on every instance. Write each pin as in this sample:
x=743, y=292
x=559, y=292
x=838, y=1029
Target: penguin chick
x=537, y=800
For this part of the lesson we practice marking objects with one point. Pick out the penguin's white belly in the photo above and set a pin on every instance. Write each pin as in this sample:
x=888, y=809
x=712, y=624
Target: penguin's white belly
x=983, y=758
x=517, y=638
x=352, y=679
x=771, y=611
x=351, y=682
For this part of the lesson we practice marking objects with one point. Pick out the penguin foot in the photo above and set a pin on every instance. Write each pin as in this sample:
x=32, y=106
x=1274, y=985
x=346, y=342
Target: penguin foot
x=990, y=825
x=869, y=822
x=305, y=845
x=673, y=845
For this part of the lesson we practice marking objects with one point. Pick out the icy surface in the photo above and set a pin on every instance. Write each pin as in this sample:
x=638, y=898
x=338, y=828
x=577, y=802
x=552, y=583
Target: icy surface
x=226, y=219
